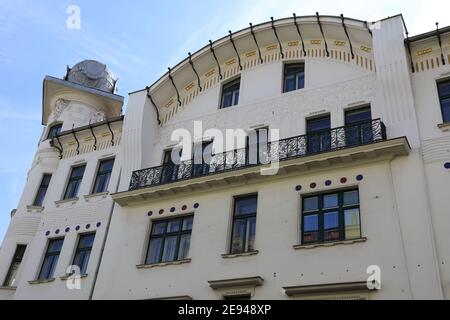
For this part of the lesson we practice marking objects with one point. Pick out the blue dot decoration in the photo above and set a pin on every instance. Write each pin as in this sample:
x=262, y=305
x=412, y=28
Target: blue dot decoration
x=88, y=226
x=98, y=224
x=67, y=229
x=328, y=183
x=447, y=165
x=196, y=205
x=77, y=228
x=172, y=209
x=150, y=213
x=57, y=231
x=359, y=177
x=298, y=188
x=47, y=233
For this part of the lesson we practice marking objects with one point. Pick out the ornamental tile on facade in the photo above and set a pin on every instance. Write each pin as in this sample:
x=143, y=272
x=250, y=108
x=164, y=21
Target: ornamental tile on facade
x=339, y=189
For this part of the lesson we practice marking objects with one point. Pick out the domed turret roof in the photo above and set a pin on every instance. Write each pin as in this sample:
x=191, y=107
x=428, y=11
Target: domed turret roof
x=93, y=74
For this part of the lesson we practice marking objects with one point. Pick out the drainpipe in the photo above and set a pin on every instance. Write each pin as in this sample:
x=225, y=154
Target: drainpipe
x=104, y=240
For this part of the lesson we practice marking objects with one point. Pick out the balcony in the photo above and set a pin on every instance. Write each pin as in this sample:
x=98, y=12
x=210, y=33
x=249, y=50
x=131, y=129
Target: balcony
x=343, y=146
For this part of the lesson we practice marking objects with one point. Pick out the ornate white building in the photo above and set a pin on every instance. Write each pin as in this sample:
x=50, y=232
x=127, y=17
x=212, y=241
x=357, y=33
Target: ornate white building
x=361, y=192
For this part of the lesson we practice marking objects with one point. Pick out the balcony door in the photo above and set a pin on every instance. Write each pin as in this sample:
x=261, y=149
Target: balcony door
x=171, y=165
x=319, y=134
x=201, y=167
x=358, y=126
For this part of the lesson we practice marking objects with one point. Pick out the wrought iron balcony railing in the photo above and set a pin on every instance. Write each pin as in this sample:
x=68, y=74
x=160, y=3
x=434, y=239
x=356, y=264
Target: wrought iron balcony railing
x=309, y=144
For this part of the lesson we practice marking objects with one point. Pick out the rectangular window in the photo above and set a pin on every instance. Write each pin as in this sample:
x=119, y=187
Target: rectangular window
x=54, y=131
x=10, y=280
x=103, y=176
x=169, y=240
x=51, y=259
x=39, y=199
x=444, y=97
x=83, y=251
x=294, y=76
x=358, y=126
x=74, y=182
x=331, y=217
x=318, y=134
x=230, y=93
x=244, y=225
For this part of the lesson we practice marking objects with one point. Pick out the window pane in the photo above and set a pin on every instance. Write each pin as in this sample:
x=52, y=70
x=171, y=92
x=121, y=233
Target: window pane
x=237, y=243
x=86, y=241
x=351, y=197
x=106, y=165
x=311, y=222
x=318, y=124
x=78, y=172
x=251, y=230
x=55, y=246
x=331, y=220
x=159, y=228
x=310, y=228
x=330, y=200
x=170, y=246
x=154, y=251
x=48, y=267
x=187, y=223
x=185, y=241
x=173, y=225
x=445, y=109
x=11, y=279
x=246, y=206
x=54, y=130
x=311, y=204
x=352, y=224
x=357, y=116
x=444, y=88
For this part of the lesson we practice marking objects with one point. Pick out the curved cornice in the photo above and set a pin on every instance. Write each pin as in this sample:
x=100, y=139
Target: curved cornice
x=323, y=37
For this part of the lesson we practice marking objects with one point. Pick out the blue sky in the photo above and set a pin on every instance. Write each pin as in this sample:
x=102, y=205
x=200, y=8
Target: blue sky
x=138, y=40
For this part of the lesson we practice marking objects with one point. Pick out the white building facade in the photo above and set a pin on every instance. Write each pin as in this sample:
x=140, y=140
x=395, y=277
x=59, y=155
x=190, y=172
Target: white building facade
x=353, y=116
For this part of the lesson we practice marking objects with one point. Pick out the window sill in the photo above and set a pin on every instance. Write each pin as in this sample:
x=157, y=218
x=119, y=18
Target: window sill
x=162, y=264
x=66, y=277
x=8, y=288
x=444, y=126
x=41, y=281
x=329, y=244
x=237, y=255
x=102, y=195
x=35, y=209
x=71, y=201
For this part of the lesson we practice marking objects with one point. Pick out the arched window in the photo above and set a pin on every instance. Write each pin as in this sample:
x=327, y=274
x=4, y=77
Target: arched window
x=54, y=130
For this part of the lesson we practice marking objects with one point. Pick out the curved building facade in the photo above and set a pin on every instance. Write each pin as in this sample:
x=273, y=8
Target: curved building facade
x=301, y=158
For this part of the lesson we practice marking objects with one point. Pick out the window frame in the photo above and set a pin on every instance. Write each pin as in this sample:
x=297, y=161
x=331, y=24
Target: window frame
x=70, y=179
x=84, y=249
x=98, y=174
x=245, y=217
x=48, y=254
x=41, y=188
x=14, y=261
x=50, y=130
x=224, y=87
x=439, y=82
x=287, y=65
x=165, y=235
x=320, y=212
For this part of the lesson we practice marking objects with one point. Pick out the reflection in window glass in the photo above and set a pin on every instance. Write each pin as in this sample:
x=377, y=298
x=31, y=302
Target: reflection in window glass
x=311, y=204
x=351, y=197
x=170, y=240
x=352, y=224
x=330, y=201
